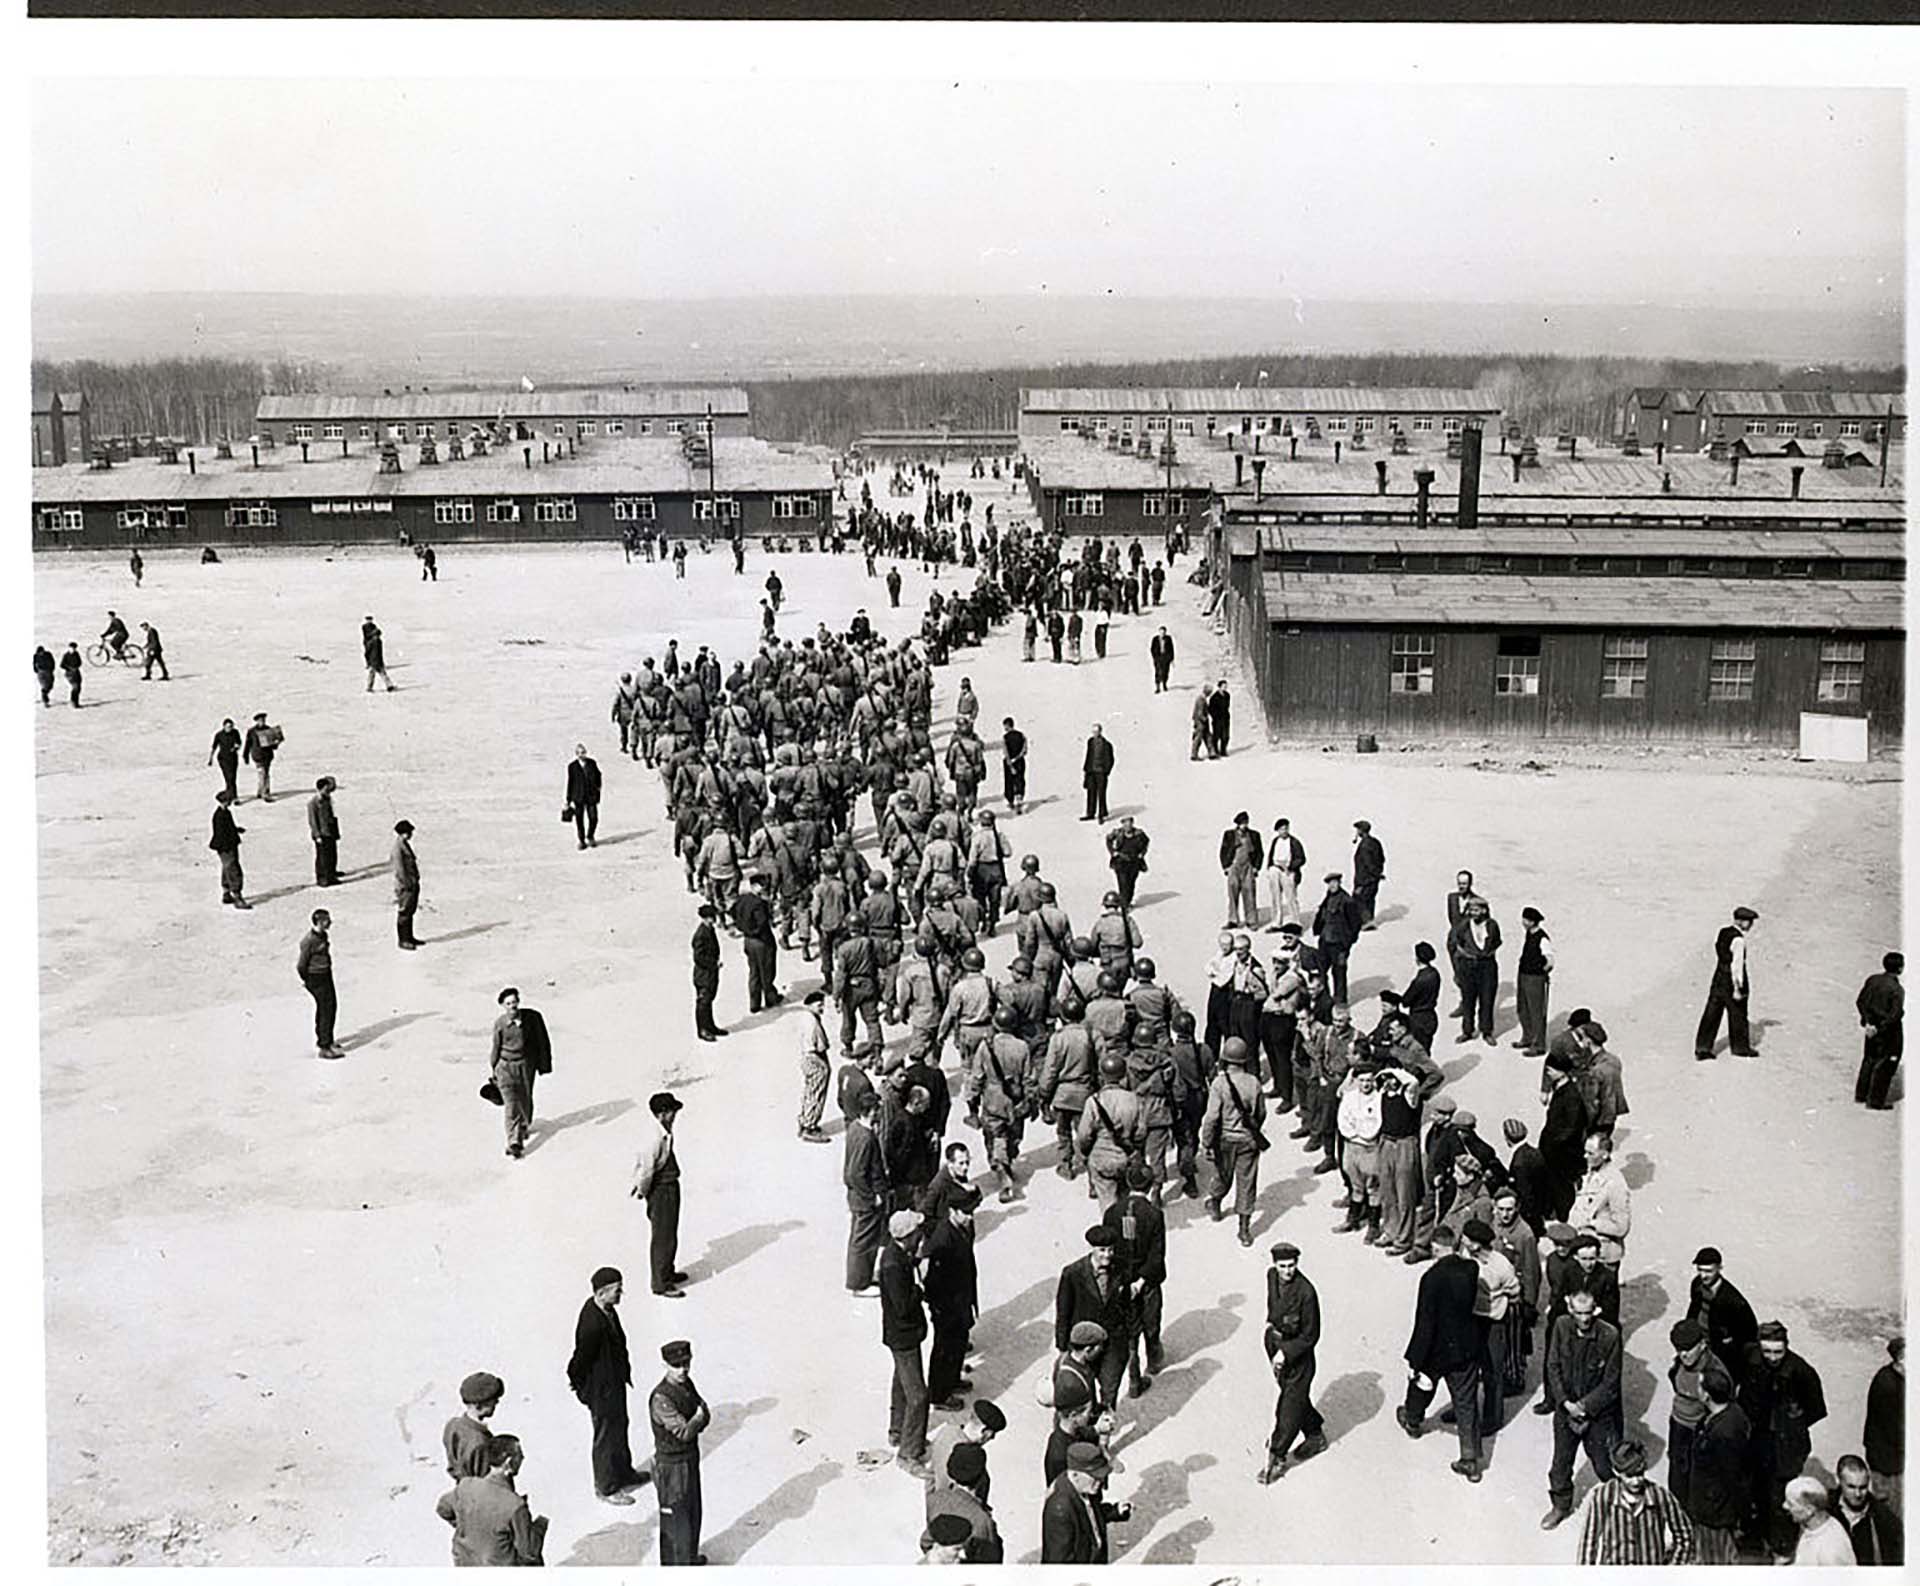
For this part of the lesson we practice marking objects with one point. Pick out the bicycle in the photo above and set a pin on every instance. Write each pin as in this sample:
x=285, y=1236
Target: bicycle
x=99, y=654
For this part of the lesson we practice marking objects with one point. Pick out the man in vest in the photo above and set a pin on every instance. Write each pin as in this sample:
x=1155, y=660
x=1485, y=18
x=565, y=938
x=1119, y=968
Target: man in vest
x=679, y=1415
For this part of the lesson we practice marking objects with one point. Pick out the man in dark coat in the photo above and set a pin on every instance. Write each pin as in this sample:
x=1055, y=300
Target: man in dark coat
x=226, y=749
x=1074, y=1518
x=1091, y=1289
x=1884, y=1436
x=315, y=967
x=373, y=649
x=1446, y=1343
x=1219, y=719
x=1095, y=769
x=1717, y=1493
x=1369, y=870
x=706, y=974
x=1291, y=1338
x=1161, y=651
x=1729, y=994
x=406, y=883
x=952, y=1289
x=678, y=1415
x=1527, y=1172
x=1563, y=1138
x=492, y=1524
x=225, y=842
x=903, y=1326
x=753, y=918
x=1473, y=943
x=1337, y=923
x=323, y=826
x=1784, y=1401
x=583, y=795
x=1713, y=1302
x=1583, y=1385
x=600, y=1374
x=1127, y=857
x=1882, y=1005
x=1140, y=1257
x=1877, y=1535
x=863, y=1172
x=43, y=668
x=1420, y=1002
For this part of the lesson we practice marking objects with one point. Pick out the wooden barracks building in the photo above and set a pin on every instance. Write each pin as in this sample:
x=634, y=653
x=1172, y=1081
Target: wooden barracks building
x=1593, y=600
x=1691, y=421
x=526, y=490
x=631, y=412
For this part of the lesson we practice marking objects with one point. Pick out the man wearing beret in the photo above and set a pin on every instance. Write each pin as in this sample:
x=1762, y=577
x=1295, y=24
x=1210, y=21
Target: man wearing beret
x=492, y=1524
x=1241, y=855
x=600, y=1374
x=706, y=974
x=1693, y=1358
x=1629, y=1520
x=656, y=1180
x=1720, y=1308
x=1337, y=923
x=1729, y=992
x=1563, y=1137
x=1091, y=1289
x=465, y=1436
x=521, y=1052
x=1292, y=1336
x=977, y=1428
x=1784, y=1401
x=1140, y=1255
x=1074, y=1519
x=1080, y=1412
x=962, y=1493
x=903, y=1327
x=1369, y=870
x=679, y=1415
x=945, y=1540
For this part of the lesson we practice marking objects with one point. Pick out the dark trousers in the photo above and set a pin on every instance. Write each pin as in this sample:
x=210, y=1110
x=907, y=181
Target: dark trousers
x=867, y=1228
x=907, y=1410
x=1293, y=1411
x=663, y=1216
x=1365, y=893
x=1680, y=1440
x=404, y=907
x=1479, y=981
x=1720, y=999
x=1240, y=1167
x=1126, y=878
x=1160, y=678
x=154, y=658
x=586, y=821
x=761, y=990
x=676, y=1483
x=863, y=1005
x=1277, y=1032
x=1878, y=1060
x=230, y=774
x=1096, y=797
x=947, y=1356
x=1530, y=1002
x=1110, y=1368
x=1152, y=1305
x=325, y=1006
x=326, y=860
x=1597, y=1437
x=1463, y=1389
x=1336, y=955
x=612, y=1457
x=703, y=994
x=232, y=877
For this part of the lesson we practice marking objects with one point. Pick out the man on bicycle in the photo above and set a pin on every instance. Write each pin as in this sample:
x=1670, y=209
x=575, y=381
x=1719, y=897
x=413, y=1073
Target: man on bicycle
x=115, y=636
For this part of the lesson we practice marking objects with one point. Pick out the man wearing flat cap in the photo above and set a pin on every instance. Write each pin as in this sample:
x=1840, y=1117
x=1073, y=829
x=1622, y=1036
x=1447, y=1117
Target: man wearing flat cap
x=1337, y=923
x=903, y=1328
x=406, y=883
x=1074, y=1519
x=1693, y=1358
x=945, y=1540
x=656, y=1180
x=978, y=1427
x=1241, y=855
x=1784, y=1401
x=492, y=1523
x=1531, y=978
x=679, y=1415
x=323, y=826
x=1729, y=992
x=1723, y=1311
x=520, y=1053
x=706, y=974
x=1080, y=1413
x=600, y=1374
x=1291, y=1338
x=1093, y=1289
x=1563, y=1137
x=465, y=1437
x=1630, y=1520
x=1369, y=870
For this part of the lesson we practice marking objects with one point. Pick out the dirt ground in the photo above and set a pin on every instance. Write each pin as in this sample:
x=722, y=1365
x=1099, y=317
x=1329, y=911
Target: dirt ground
x=266, y=1275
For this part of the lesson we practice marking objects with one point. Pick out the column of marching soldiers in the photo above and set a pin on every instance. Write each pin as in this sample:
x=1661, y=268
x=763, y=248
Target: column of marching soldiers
x=764, y=766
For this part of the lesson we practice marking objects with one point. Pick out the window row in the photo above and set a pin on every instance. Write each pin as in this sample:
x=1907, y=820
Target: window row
x=1733, y=666
x=1249, y=424
x=459, y=428
x=1547, y=564
x=1813, y=429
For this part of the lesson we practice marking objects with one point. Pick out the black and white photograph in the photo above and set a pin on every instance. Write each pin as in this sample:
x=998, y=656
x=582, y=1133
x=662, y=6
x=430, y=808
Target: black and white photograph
x=963, y=795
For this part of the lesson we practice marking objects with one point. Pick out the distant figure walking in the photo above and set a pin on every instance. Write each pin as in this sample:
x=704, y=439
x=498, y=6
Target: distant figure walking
x=583, y=795
x=43, y=669
x=323, y=826
x=70, y=665
x=226, y=749
x=315, y=968
x=258, y=748
x=1728, y=992
x=137, y=567
x=153, y=655
x=374, y=648
x=406, y=882
x=226, y=843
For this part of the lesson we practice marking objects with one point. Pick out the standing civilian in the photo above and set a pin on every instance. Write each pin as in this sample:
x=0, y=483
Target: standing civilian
x=43, y=669
x=258, y=748
x=863, y=1172
x=1446, y=1345
x=1530, y=983
x=656, y=1180
x=1628, y=1520
x=1161, y=651
x=1474, y=942
x=225, y=842
x=373, y=649
x=1240, y=859
x=153, y=654
x=1881, y=1006
x=1420, y=1002
x=600, y=1374
x=1013, y=764
x=1563, y=1137
x=1292, y=1336
x=1729, y=994
x=952, y=1289
x=1583, y=1385
x=1718, y=1487
x=1286, y=859
x=70, y=666
x=1603, y=1205
x=520, y=1053
x=315, y=968
x=1219, y=720
x=406, y=883
x=1816, y=1537
x=1528, y=1174
x=1884, y=1438
x=1369, y=870
x=753, y=918
x=491, y=1521
x=678, y=1415
x=706, y=974
x=583, y=795
x=1874, y=1529
x=226, y=749
x=1784, y=1401
x=1731, y=1327
x=1095, y=770
x=903, y=1325
x=1457, y=901
x=323, y=826
x=1693, y=1358
x=1337, y=923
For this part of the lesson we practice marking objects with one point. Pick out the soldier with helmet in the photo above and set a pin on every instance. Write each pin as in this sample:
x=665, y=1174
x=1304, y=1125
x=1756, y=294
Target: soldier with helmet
x=998, y=1085
x=1230, y=1134
x=1115, y=936
x=1112, y=1130
x=1067, y=1079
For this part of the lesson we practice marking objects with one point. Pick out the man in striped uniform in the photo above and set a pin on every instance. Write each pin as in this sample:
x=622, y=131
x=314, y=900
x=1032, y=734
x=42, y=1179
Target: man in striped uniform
x=1631, y=1520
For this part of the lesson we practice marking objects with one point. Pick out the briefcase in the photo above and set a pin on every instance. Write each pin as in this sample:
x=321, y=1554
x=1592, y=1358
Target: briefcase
x=566, y=813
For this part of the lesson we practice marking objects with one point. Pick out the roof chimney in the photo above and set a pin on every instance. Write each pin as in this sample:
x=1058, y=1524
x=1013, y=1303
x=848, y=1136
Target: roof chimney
x=1516, y=466
x=1259, y=476
x=1798, y=470
x=1423, y=483
x=1293, y=447
x=256, y=455
x=1239, y=469
x=303, y=452
x=527, y=452
x=1380, y=475
x=1468, y=515
x=1734, y=478
x=192, y=467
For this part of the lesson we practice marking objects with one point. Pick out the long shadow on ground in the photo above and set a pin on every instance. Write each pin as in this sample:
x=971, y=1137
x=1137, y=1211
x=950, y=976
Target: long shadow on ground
x=789, y=1501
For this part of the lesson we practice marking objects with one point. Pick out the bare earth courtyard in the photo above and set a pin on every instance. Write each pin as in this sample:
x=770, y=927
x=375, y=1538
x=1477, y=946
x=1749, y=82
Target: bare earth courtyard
x=266, y=1275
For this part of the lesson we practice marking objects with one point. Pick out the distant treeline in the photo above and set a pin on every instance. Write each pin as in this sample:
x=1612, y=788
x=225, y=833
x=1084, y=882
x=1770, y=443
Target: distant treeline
x=204, y=399
x=198, y=400
x=1543, y=394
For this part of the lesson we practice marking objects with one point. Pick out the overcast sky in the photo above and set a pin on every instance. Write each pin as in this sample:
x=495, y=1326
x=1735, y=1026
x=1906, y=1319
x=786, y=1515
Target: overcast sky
x=700, y=189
